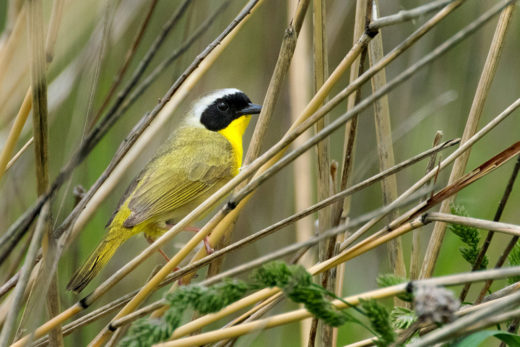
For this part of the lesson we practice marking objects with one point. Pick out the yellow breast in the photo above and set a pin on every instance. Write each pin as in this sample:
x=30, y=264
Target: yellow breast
x=234, y=133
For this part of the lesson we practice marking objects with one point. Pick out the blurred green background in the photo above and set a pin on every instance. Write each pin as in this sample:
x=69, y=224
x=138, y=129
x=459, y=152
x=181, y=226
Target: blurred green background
x=438, y=97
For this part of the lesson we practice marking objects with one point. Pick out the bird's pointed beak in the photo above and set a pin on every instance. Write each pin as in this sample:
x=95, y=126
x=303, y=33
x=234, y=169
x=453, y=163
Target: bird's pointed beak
x=250, y=109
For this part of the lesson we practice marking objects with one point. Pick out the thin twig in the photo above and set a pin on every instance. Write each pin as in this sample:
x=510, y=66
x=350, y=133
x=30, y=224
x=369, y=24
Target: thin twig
x=474, y=222
x=19, y=153
x=15, y=131
x=406, y=15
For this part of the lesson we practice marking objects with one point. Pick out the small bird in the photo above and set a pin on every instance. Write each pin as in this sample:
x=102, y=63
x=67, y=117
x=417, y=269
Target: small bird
x=201, y=155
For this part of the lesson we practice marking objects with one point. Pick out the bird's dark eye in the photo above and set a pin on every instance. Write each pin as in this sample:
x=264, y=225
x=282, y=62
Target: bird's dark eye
x=222, y=106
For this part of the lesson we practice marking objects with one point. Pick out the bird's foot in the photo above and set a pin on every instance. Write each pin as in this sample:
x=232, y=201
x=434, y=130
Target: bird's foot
x=208, y=247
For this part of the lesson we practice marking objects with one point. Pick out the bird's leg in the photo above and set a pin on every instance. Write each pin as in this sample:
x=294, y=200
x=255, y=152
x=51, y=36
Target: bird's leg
x=194, y=229
x=161, y=252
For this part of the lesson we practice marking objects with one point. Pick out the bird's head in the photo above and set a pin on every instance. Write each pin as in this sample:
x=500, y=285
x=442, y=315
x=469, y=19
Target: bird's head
x=217, y=110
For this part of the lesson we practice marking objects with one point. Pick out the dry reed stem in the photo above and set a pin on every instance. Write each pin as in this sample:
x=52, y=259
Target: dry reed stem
x=483, y=87
x=15, y=131
x=416, y=235
x=323, y=186
x=259, y=310
x=281, y=69
x=19, y=153
x=320, y=63
x=406, y=15
x=507, y=228
x=349, y=146
x=491, y=321
x=385, y=145
x=500, y=293
x=299, y=79
x=52, y=35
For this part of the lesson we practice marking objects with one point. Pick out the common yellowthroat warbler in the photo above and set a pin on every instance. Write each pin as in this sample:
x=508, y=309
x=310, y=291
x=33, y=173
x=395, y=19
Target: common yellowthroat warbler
x=203, y=153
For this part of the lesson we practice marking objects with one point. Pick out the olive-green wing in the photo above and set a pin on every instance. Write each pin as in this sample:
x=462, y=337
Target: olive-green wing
x=179, y=176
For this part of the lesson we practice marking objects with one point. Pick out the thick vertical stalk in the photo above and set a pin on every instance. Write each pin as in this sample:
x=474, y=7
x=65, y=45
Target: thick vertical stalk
x=299, y=80
x=342, y=209
x=322, y=148
x=416, y=234
x=384, y=146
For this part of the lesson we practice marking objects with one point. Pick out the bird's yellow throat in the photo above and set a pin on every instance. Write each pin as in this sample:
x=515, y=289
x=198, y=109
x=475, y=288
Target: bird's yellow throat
x=233, y=133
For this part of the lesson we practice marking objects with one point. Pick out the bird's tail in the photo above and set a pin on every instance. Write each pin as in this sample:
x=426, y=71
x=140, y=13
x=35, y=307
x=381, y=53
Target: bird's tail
x=97, y=260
